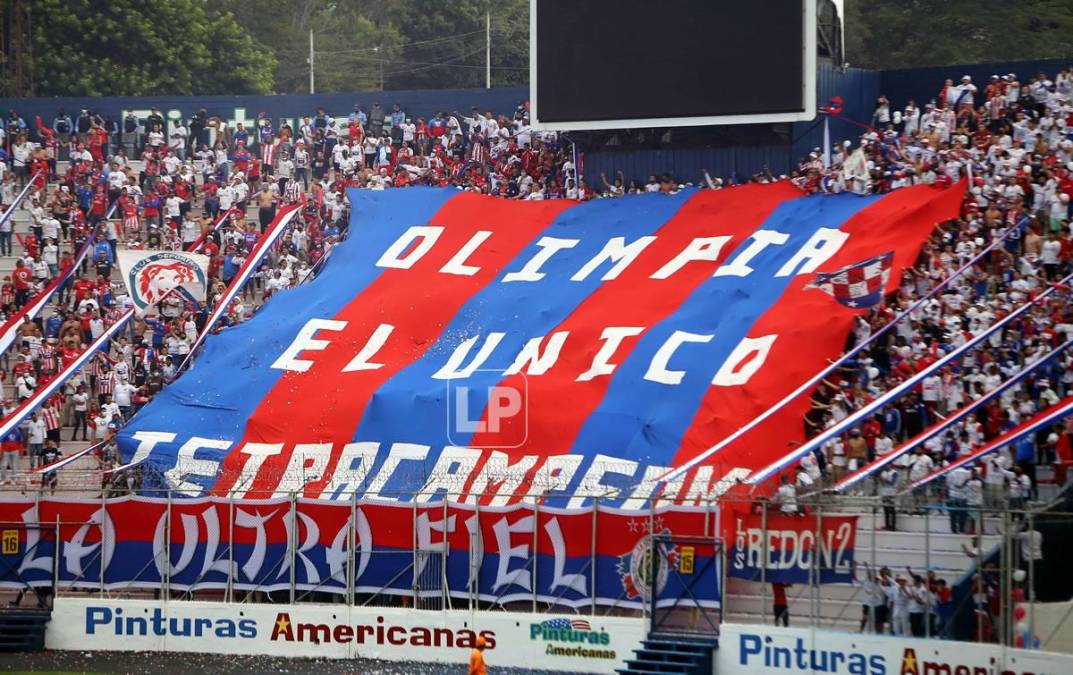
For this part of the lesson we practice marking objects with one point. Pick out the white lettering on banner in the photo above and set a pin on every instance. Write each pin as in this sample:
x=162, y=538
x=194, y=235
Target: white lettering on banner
x=549, y=246
x=657, y=369
x=592, y=483
x=761, y=239
x=513, y=639
x=745, y=359
x=612, y=337
x=256, y=522
x=453, y=368
x=457, y=264
x=191, y=538
x=306, y=465
x=256, y=454
x=392, y=257
x=75, y=550
x=615, y=251
x=425, y=543
x=538, y=362
x=189, y=465
x=398, y=453
x=308, y=543
x=351, y=469
x=304, y=341
x=519, y=576
x=704, y=249
x=499, y=474
x=147, y=440
x=794, y=549
x=575, y=582
x=820, y=247
x=557, y=472
x=363, y=360
x=361, y=468
x=452, y=468
x=363, y=545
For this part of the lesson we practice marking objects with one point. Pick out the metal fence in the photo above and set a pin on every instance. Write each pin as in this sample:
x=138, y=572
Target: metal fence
x=968, y=573
x=435, y=556
x=825, y=561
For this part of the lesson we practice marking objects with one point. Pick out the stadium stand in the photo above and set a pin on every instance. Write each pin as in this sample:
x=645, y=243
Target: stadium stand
x=199, y=185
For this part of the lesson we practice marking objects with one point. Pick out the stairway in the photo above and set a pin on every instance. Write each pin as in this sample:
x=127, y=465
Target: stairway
x=81, y=478
x=23, y=630
x=668, y=653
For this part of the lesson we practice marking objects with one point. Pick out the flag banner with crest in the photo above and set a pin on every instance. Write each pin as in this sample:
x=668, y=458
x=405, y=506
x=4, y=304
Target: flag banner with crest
x=151, y=275
x=457, y=343
x=570, y=557
x=859, y=286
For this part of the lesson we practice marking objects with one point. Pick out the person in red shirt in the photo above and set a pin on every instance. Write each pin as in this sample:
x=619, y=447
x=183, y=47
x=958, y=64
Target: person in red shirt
x=7, y=294
x=780, y=607
x=23, y=280
x=96, y=140
x=84, y=288
x=98, y=207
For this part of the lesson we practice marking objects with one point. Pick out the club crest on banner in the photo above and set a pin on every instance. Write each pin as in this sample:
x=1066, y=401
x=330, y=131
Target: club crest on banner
x=151, y=275
x=635, y=567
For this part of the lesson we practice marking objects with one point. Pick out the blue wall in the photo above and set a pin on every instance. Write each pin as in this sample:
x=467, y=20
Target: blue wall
x=739, y=151
x=923, y=84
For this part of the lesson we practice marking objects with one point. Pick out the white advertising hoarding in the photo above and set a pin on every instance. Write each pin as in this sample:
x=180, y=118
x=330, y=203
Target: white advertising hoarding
x=769, y=650
x=574, y=643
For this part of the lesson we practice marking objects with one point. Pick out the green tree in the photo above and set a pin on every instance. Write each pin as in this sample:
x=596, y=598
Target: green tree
x=915, y=33
x=133, y=48
x=351, y=47
x=445, y=43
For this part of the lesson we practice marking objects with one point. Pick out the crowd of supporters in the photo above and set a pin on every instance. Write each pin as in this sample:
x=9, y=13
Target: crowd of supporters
x=1009, y=140
x=201, y=185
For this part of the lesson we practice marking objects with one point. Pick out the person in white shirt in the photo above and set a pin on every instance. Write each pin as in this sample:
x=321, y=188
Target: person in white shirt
x=786, y=497
x=919, y=604
x=1020, y=487
x=874, y=609
x=191, y=230
x=996, y=466
x=36, y=431
x=956, y=482
x=123, y=392
x=25, y=384
x=898, y=598
x=173, y=207
x=110, y=410
x=177, y=139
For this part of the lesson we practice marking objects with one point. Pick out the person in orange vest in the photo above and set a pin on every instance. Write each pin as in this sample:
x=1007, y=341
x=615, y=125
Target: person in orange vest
x=476, y=658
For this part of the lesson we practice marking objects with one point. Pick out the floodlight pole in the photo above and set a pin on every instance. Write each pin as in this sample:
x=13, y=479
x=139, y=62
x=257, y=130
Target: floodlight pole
x=311, y=86
x=488, y=49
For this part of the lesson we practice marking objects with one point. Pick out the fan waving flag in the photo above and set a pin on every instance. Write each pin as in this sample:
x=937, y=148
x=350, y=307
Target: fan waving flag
x=859, y=286
x=462, y=344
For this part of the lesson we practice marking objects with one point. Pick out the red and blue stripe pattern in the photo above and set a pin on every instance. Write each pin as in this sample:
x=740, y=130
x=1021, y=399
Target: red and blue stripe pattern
x=455, y=340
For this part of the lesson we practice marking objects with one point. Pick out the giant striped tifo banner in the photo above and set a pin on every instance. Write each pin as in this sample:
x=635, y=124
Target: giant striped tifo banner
x=491, y=349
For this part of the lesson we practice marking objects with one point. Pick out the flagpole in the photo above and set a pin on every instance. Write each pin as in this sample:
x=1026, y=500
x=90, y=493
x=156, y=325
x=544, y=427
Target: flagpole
x=860, y=414
x=826, y=141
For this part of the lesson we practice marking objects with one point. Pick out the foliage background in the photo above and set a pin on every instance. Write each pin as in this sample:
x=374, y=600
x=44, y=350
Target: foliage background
x=137, y=47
